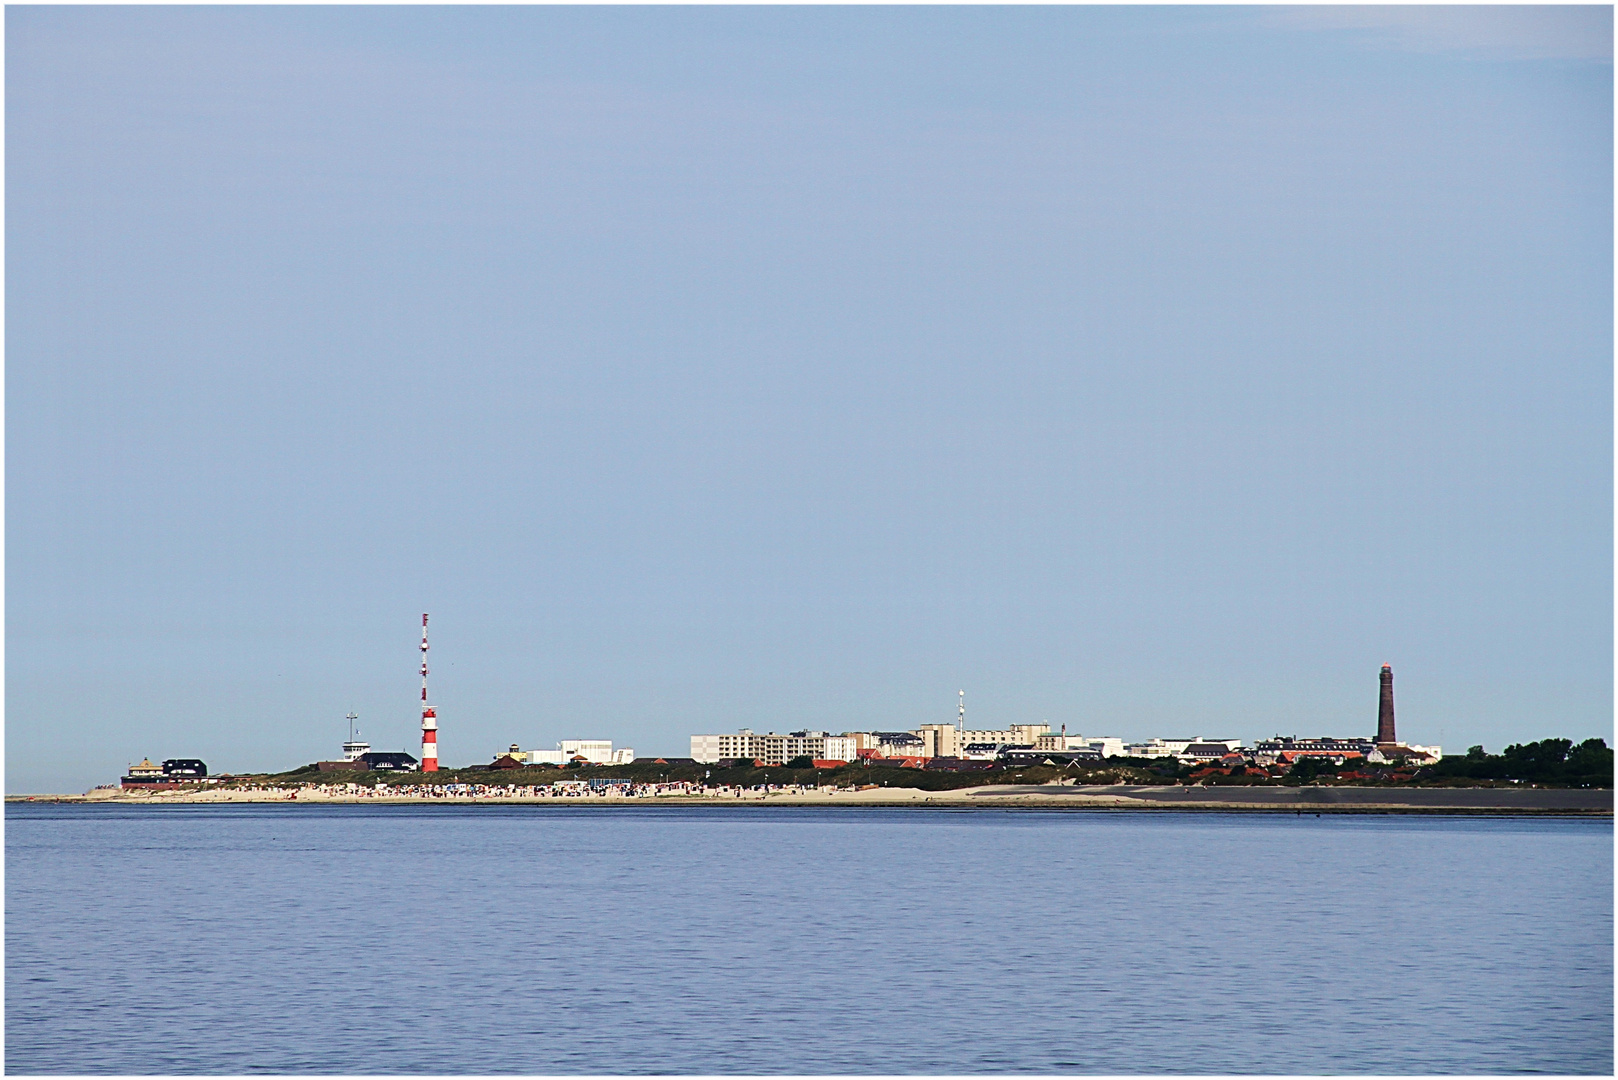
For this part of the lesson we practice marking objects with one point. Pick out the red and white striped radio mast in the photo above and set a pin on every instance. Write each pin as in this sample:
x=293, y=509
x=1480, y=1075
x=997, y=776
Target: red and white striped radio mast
x=429, y=719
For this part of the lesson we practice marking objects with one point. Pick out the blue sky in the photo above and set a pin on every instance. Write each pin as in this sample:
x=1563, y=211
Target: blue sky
x=1151, y=371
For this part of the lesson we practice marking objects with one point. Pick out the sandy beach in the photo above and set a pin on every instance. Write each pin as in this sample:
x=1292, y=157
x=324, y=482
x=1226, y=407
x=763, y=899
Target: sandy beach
x=1074, y=797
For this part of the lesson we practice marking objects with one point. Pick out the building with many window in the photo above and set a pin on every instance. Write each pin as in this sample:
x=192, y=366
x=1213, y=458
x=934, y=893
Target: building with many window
x=926, y=741
x=1287, y=748
x=893, y=744
x=771, y=748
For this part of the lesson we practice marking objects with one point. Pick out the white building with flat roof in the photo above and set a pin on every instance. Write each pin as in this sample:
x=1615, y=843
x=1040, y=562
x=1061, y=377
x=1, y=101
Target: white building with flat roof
x=594, y=751
x=1174, y=748
x=772, y=749
x=1106, y=746
x=1411, y=752
x=947, y=740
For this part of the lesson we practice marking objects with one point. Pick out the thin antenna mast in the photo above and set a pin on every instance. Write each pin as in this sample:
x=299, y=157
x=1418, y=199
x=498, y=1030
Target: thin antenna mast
x=960, y=727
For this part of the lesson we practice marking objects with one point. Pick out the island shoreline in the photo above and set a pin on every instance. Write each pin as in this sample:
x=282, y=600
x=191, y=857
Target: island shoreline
x=1299, y=801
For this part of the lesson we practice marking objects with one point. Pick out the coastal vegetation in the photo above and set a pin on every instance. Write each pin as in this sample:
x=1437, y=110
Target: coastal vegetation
x=1547, y=763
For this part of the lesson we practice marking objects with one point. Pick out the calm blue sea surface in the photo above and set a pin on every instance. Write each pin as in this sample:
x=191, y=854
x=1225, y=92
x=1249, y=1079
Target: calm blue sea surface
x=764, y=940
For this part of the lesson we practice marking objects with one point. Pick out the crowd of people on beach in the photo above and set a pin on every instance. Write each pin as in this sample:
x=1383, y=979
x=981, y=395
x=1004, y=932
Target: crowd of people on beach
x=562, y=789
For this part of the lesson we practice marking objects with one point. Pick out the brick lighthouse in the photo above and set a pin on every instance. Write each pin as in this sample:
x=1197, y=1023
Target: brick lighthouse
x=1384, y=713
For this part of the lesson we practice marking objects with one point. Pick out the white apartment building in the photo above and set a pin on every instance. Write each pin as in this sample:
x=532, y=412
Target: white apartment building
x=1402, y=752
x=772, y=749
x=595, y=751
x=1174, y=748
x=939, y=740
x=1106, y=746
x=928, y=741
x=947, y=740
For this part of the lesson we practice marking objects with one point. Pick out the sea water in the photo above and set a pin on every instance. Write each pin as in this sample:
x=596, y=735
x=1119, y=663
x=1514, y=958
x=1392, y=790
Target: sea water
x=232, y=939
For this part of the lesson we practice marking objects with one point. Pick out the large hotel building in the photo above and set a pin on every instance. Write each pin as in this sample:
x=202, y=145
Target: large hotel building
x=772, y=749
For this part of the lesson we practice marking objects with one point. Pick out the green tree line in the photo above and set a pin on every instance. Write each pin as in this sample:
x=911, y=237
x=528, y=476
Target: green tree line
x=1549, y=761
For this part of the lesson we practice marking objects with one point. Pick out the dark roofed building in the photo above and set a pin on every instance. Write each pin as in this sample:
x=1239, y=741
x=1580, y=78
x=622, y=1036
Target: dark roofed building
x=1205, y=751
x=959, y=764
x=899, y=744
x=389, y=762
x=1325, y=746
